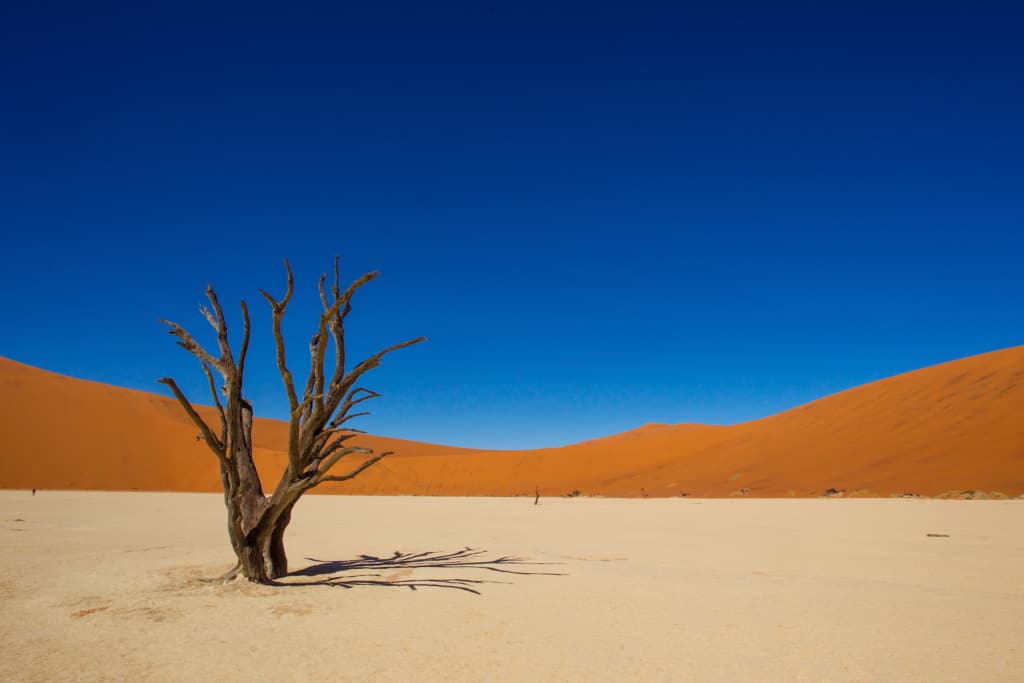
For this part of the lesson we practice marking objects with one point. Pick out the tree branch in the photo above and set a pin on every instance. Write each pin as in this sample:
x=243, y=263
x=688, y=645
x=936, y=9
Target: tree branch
x=245, y=338
x=350, y=402
x=322, y=290
x=345, y=477
x=317, y=353
x=217, y=403
x=310, y=388
x=325, y=462
x=212, y=441
x=343, y=420
x=320, y=411
x=338, y=321
x=209, y=317
x=187, y=342
x=278, y=308
x=226, y=357
x=343, y=436
x=319, y=448
x=307, y=400
x=365, y=366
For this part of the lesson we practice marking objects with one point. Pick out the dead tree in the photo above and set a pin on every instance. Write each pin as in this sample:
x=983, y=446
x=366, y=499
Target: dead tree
x=318, y=430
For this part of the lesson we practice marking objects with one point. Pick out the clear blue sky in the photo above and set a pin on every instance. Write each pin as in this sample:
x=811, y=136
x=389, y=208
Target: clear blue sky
x=600, y=216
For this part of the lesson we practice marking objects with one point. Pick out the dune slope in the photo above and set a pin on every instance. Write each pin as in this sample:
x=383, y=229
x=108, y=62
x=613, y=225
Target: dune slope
x=954, y=426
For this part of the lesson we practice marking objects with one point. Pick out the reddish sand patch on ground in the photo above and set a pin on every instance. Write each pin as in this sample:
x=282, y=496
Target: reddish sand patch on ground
x=951, y=427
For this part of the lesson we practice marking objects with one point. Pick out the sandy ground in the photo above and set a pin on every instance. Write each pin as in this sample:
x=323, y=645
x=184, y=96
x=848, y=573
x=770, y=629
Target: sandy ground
x=105, y=586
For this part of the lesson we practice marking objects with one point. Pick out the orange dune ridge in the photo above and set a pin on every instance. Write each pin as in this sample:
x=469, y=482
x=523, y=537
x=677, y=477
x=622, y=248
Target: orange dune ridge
x=958, y=426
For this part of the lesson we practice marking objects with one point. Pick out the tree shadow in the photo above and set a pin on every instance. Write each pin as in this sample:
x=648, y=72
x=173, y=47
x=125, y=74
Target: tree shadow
x=339, y=572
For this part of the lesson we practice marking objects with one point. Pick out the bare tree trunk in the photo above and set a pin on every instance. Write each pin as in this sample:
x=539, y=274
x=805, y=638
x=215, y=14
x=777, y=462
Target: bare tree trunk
x=275, y=560
x=250, y=560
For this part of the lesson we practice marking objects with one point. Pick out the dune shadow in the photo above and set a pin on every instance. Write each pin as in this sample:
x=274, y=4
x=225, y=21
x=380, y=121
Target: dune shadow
x=368, y=570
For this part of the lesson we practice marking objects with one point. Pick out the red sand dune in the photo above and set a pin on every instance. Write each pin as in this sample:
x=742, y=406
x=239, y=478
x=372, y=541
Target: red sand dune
x=954, y=426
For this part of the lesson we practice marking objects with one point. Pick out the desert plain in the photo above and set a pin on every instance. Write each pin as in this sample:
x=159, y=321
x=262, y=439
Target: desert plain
x=100, y=586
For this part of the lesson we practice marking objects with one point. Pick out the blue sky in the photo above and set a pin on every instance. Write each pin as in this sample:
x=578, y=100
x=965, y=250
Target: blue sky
x=600, y=216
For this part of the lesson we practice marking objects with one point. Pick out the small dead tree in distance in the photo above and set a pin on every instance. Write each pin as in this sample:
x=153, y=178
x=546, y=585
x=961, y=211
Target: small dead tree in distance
x=317, y=427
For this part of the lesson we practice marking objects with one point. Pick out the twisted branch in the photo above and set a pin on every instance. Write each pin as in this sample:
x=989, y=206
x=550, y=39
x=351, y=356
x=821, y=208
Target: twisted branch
x=187, y=342
x=245, y=339
x=278, y=308
x=345, y=477
x=217, y=403
x=212, y=441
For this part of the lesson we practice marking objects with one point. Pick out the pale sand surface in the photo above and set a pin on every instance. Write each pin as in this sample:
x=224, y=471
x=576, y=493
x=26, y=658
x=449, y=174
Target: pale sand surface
x=104, y=586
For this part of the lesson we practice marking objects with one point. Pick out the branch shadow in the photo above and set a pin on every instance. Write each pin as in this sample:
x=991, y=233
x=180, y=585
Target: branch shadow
x=339, y=572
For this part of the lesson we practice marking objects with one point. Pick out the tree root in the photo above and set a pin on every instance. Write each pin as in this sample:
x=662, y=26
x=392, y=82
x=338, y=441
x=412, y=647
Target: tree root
x=225, y=578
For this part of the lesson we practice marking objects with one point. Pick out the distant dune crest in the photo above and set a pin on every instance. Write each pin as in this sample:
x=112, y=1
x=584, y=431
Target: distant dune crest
x=953, y=430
